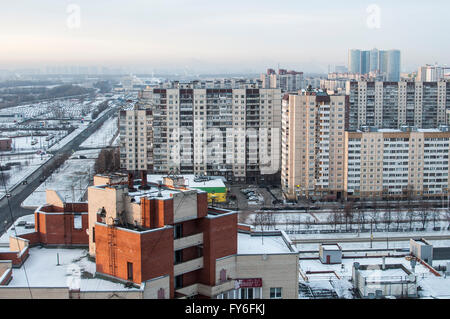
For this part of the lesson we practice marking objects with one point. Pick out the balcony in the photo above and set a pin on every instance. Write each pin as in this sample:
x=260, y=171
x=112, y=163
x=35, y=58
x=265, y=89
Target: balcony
x=188, y=266
x=189, y=241
x=208, y=291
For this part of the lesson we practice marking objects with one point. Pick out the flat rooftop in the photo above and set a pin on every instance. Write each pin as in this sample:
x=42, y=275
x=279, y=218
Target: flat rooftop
x=391, y=273
x=259, y=245
x=152, y=191
x=345, y=268
x=15, y=229
x=75, y=270
x=331, y=247
x=190, y=181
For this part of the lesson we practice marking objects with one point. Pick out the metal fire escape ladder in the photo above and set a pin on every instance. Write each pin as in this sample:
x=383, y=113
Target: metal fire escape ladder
x=112, y=250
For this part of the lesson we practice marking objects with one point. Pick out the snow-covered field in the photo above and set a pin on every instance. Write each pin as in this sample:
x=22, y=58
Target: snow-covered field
x=103, y=136
x=18, y=173
x=70, y=180
x=70, y=108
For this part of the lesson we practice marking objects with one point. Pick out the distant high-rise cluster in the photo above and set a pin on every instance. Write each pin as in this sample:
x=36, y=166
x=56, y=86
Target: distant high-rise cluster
x=287, y=81
x=384, y=63
x=433, y=73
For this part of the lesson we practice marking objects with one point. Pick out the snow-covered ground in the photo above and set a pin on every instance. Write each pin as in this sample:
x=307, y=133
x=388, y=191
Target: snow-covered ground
x=18, y=173
x=69, y=108
x=103, y=136
x=70, y=180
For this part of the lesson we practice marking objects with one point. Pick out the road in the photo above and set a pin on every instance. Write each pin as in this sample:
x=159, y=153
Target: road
x=21, y=192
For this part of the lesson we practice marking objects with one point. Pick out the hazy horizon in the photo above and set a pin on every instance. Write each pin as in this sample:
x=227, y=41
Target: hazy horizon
x=218, y=37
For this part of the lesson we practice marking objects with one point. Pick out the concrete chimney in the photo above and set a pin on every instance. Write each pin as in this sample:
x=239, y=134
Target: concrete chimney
x=131, y=183
x=144, y=184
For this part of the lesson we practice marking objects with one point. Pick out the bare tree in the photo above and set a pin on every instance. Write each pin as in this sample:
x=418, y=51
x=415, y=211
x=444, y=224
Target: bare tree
x=334, y=219
x=424, y=213
x=435, y=216
x=411, y=217
x=387, y=216
x=348, y=215
x=399, y=219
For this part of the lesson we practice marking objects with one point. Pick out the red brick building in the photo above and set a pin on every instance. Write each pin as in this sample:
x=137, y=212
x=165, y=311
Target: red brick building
x=162, y=236
x=156, y=241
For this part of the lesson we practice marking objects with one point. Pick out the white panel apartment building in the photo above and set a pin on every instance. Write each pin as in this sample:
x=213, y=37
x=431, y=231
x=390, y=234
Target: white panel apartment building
x=313, y=143
x=395, y=104
x=136, y=138
x=215, y=131
x=397, y=163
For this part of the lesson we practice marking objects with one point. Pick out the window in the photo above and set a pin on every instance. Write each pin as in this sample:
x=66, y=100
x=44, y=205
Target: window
x=250, y=293
x=77, y=222
x=178, y=258
x=179, y=282
x=178, y=231
x=275, y=293
x=129, y=271
x=161, y=294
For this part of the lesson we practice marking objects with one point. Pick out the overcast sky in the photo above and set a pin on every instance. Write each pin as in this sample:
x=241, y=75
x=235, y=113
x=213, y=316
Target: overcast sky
x=213, y=36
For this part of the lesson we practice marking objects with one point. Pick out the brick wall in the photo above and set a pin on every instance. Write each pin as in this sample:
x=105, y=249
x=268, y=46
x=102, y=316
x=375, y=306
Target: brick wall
x=220, y=240
x=58, y=229
x=151, y=253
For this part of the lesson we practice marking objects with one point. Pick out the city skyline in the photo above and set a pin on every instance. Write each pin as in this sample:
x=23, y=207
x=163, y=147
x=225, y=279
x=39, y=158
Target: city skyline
x=204, y=37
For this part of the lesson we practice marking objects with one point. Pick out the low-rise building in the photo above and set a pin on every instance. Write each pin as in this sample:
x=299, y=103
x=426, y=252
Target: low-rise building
x=330, y=254
x=380, y=281
x=422, y=249
x=147, y=241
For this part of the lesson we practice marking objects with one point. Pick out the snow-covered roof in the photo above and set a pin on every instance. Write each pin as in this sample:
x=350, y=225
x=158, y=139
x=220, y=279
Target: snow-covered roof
x=438, y=287
x=391, y=274
x=75, y=271
x=331, y=247
x=18, y=230
x=214, y=181
x=257, y=245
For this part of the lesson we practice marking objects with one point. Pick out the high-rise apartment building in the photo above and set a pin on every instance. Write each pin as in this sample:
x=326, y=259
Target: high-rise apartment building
x=216, y=131
x=313, y=138
x=136, y=138
x=386, y=163
x=395, y=104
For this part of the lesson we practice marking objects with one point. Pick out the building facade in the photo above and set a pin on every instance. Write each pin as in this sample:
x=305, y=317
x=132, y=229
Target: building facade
x=287, y=81
x=395, y=104
x=406, y=163
x=313, y=140
x=219, y=131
